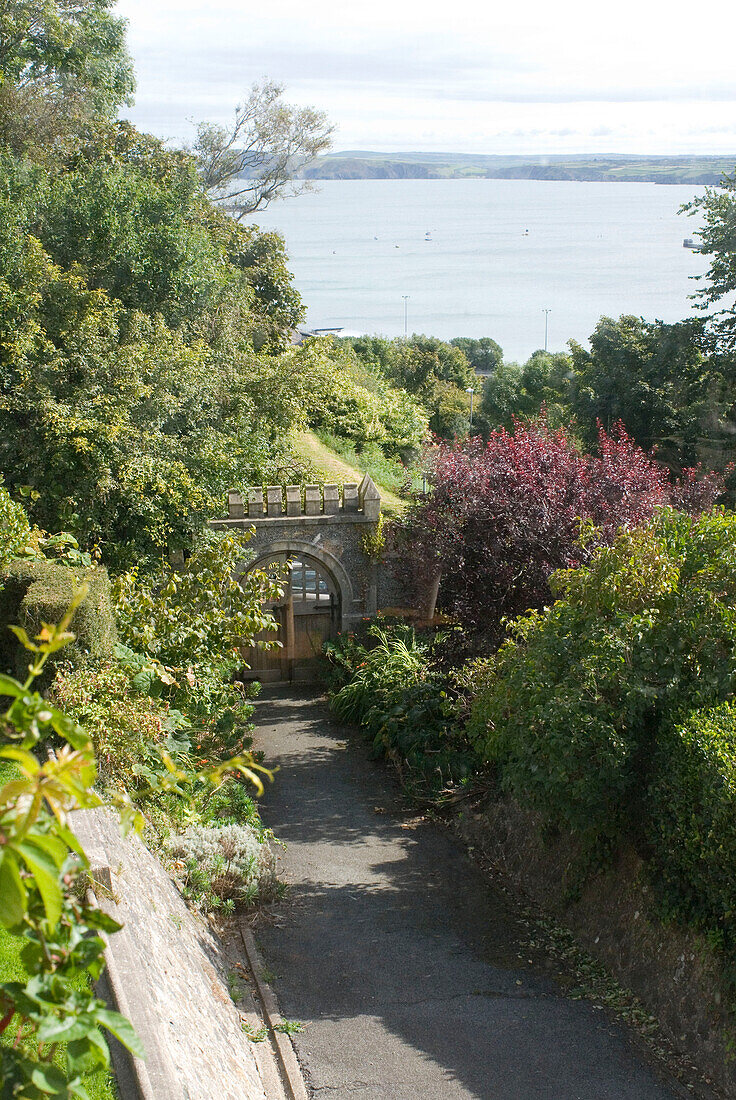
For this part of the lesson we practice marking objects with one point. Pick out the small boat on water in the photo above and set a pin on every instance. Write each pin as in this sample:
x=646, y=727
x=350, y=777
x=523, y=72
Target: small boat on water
x=691, y=244
x=428, y=236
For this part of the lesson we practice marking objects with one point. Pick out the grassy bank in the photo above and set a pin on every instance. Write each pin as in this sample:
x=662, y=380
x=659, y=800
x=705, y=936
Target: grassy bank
x=334, y=468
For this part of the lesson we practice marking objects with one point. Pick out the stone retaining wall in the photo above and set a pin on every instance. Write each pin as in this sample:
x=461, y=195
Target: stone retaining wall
x=173, y=982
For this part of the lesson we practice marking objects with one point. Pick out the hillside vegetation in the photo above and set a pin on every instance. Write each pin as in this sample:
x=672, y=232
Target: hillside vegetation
x=612, y=169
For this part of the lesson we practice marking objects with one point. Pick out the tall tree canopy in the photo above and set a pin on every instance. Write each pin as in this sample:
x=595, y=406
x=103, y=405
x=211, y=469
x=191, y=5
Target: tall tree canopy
x=61, y=61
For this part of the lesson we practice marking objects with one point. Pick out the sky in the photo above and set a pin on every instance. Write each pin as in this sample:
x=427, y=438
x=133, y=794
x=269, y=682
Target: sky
x=559, y=76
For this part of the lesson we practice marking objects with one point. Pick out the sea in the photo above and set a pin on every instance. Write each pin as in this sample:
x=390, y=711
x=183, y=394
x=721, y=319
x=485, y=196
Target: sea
x=497, y=258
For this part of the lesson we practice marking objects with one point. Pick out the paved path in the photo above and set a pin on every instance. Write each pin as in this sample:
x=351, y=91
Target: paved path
x=396, y=954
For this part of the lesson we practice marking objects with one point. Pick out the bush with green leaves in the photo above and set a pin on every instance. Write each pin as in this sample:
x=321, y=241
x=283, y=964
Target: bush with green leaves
x=200, y=616
x=386, y=684
x=573, y=705
x=37, y=591
x=141, y=333
x=40, y=862
x=16, y=535
x=692, y=827
x=129, y=730
x=224, y=867
x=354, y=401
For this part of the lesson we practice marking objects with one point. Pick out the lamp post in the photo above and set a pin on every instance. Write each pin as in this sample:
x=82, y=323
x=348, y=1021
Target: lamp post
x=406, y=314
x=471, y=392
x=546, y=313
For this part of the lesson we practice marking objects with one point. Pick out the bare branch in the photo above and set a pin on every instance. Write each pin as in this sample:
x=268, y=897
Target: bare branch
x=261, y=155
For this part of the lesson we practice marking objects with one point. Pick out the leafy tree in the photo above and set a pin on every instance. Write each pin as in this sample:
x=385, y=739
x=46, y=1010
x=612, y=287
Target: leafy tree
x=484, y=354
x=134, y=216
x=131, y=433
x=502, y=516
x=652, y=376
x=514, y=392
x=61, y=62
x=717, y=209
x=417, y=363
x=259, y=156
x=500, y=397
x=423, y=360
x=450, y=407
x=377, y=352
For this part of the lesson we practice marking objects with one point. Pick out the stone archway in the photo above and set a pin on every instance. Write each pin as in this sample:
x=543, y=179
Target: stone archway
x=316, y=592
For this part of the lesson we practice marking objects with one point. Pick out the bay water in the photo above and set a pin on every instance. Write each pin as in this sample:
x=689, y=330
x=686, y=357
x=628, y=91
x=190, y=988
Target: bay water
x=488, y=257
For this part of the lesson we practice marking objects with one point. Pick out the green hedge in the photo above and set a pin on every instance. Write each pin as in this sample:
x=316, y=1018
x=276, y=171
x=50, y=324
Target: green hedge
x=571, y=708
x=32, y=592
x=693, y=822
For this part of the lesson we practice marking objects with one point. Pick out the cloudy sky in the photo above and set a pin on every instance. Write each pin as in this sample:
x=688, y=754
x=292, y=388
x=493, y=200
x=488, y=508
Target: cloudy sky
x=558, y=76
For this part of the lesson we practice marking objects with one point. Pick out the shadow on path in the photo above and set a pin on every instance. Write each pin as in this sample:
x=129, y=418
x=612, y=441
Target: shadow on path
x=401, y=960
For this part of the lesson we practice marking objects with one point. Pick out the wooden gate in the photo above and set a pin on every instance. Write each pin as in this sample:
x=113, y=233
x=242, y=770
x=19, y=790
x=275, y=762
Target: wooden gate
x=307, y=615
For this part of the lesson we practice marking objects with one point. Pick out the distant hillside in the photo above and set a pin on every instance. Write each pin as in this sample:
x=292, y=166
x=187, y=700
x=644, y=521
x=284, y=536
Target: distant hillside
x=364, y=164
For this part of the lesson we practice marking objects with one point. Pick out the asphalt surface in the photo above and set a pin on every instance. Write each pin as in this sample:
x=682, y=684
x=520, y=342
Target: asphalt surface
x=396, y=954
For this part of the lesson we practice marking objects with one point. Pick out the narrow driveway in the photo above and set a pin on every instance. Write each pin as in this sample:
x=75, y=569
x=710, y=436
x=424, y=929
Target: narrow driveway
x=397, y=956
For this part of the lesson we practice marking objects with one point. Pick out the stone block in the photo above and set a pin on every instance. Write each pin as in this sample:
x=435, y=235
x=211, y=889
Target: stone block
x=275, y=500
x=350, y=497
x=293, y=500
x=255, y=503
x=369, y=498
x=235, y=506
x=332, y=499
x=312, y=501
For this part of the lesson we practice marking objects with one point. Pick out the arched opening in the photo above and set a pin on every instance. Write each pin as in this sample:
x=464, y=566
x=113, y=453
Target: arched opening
x=308, y=614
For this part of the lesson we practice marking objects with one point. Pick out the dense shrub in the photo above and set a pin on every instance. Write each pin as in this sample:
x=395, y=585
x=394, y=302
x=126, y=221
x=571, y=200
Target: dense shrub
x=16, y=536
x=573, y=705
x=502, y=517
x=128, y=730
x=355, y=402
x=37, y=592
x=200, y=616
x=224, y=867
x=693, y=822
x=386, y=684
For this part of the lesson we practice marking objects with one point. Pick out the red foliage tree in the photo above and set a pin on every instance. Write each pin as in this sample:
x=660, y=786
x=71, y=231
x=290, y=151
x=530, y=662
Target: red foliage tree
x=501, y=517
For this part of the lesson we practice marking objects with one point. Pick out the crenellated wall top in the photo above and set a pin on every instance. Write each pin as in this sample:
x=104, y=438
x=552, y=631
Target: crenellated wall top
x=328, y=503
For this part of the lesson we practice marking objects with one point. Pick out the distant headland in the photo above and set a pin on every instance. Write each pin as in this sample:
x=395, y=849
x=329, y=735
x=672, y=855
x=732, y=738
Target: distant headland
x=362, y=164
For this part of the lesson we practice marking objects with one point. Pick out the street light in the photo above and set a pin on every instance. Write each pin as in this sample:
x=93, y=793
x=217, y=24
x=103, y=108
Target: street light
x=546, y=313
x=406, y=314
x=471, y=392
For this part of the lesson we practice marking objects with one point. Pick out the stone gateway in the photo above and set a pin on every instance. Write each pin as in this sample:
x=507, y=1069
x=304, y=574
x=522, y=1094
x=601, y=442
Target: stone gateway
x=314, y=540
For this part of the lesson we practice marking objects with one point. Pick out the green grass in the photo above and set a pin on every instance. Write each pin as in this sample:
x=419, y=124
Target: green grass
x=350, y=466
x=100, y=1085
